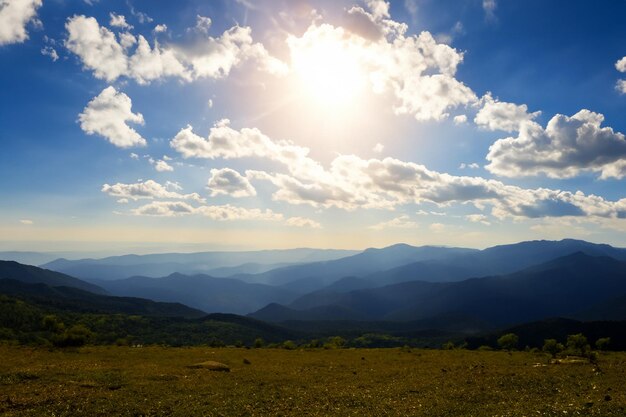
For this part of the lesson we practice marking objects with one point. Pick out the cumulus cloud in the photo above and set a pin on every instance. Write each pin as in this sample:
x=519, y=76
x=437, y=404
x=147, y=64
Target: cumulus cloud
x=51, y=52
x=148, y=189
x=567, y=147
x=302, y=222
x=160, y=28
x=108, y=115
x=228, y=143
x=351, y=182
x=460, y=119
x=118, y=21
x=219, y=213
x=162, y=166
x=415, y=70
x=499, y=115
x=401, y=222
x=620, y=65
x=478, y=218
x=109, y=58
x=14, y=17
x=227, y=181
x=164, y=209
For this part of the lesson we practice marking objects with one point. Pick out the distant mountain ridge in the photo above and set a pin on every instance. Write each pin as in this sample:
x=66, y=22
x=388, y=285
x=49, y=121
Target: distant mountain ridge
x=162, y=264
x=210, y=294
x=561, y=287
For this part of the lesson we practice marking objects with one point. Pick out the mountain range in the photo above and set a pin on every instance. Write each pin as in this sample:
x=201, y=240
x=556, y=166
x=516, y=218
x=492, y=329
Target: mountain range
x=402, y=287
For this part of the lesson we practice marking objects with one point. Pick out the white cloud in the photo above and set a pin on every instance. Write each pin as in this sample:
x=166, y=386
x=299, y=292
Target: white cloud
x=108, y=115
x=163, y=166
x=302, y=222
x=148, y=189
x=14, y=16
x=621, y=86
x=119, y=21
x=51, y=52
x=142, y=17
x=203, y=24
x=489, y=6
x=478, y=218
x=473, y=165
x=227, y=181
x=620, y=65
x=378, y=148
x=401, y=222
x=352, y=183
x=27, y=222
x=160, y=28
x=173, y=185
x=415, y=70
x=567, y=147
x=97, y=47
x=228, y=212
x=133, y=155
x=228, y=143
x=460, y=119
x=498, y=115
x=109, y=59
x=218, y=213
x=164, y=209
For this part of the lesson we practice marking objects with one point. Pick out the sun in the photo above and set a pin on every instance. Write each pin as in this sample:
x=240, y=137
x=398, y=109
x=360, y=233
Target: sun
x=328, y=71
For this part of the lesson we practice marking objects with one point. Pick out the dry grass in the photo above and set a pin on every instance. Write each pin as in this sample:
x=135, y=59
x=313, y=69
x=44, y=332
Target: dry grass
x=153, y=381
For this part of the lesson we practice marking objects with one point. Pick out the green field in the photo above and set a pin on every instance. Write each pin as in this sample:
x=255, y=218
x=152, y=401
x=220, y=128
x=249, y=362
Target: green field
x=155, y=381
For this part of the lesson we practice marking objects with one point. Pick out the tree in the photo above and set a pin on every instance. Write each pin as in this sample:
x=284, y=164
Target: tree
x=289, y=345
x=508, y=341
x=552, y=347
x=577, y=344
x=603, y=343
x=259, y=343
x=75, y=336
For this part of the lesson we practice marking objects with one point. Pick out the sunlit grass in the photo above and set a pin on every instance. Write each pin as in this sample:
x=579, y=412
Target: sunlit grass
x=157, y=381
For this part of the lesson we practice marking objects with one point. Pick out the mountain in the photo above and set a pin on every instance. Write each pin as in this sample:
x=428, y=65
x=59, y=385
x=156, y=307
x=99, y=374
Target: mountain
x=32, y=274
x=312, y=276
x=158, y=265
x=204, y=292
x=77, y=300
x=497, y=260
x=29, y=258
x=561, y=287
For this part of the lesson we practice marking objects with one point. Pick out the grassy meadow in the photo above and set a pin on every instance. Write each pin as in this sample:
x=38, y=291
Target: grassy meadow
x=156, y=381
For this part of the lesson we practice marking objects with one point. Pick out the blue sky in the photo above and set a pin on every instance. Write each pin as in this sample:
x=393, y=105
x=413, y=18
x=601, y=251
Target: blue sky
x=159, y=125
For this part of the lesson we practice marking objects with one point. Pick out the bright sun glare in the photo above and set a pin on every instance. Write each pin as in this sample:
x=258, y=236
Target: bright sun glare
x=329, y=73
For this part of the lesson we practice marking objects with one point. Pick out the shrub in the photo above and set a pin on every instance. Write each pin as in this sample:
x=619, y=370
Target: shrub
x=603, y=343
x=577, y=344
x=448, y=346
x=552, y=347
x=76, y=336
x=485, y=348
x=259, y=343
x=52, y=323
x=289, y=345
x=508, y=341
